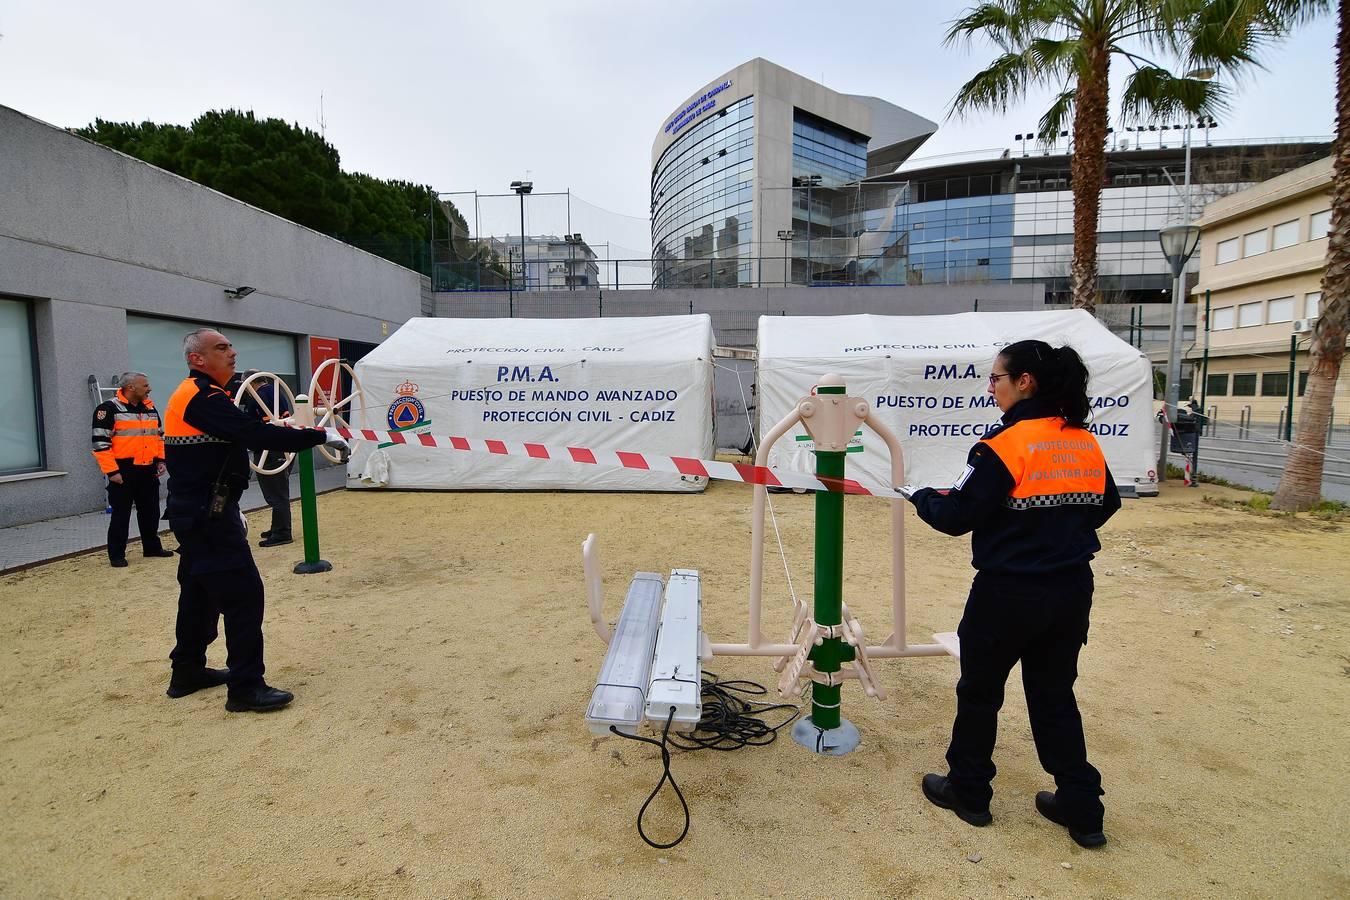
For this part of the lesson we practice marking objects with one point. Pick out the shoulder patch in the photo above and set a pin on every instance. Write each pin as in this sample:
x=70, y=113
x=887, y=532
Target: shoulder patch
x=961, y=482
x=101, y=414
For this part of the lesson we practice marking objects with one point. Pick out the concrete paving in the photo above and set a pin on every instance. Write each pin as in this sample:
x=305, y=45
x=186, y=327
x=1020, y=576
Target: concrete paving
x=22, y=546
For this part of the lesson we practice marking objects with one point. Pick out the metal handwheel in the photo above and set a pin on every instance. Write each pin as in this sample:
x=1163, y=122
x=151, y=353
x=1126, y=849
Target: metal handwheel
x=273, y=411
x=324, y=387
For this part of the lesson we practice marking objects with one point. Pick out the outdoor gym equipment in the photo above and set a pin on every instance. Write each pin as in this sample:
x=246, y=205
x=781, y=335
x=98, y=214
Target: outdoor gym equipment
x=328, y=411
x=826, y=644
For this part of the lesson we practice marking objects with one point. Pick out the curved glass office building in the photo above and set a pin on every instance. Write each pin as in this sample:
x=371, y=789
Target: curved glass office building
x=745, y=172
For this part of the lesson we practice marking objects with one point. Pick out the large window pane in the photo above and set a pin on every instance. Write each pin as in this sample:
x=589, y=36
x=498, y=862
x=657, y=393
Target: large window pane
x=1244, y=385
x=1254, y=243
x=1284, y=235
x=1227, y=251
x=1312, y=302
x=1319, y=225
x=1222, y=319
x=1217, y=385
x=1275, y=384
x=1249, y=314
x=20, y=426
x=155, y=347
x=1281, y=309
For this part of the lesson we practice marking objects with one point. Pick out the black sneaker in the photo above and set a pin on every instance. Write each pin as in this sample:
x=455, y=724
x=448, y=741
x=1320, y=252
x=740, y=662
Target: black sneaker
x=118, y=563
x=182, y=684
x=259, y=698
x=275, y=540
x=265, y=535
x=940, y=792
x=1048, y=806
x=161, y=553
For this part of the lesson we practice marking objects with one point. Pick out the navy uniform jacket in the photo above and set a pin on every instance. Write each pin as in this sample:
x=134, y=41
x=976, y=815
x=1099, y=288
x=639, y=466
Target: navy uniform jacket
x=205, y=436
x=1033, y=495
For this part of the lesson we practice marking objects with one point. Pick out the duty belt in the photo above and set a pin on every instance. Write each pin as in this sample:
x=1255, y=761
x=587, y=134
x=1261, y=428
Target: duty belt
x=174, y=441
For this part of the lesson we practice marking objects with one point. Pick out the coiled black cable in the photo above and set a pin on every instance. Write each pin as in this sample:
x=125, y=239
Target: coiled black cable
x=728, y=723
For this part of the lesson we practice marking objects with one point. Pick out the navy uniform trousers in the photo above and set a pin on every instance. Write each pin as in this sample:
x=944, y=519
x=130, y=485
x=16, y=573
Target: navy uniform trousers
x=218, y=578
x=140, y=486
x=1041, y=620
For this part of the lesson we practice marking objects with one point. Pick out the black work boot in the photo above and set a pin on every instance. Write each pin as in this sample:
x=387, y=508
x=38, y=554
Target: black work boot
x=257, y=698
x=940, y=792
x=1048, y=805
x=183, y=683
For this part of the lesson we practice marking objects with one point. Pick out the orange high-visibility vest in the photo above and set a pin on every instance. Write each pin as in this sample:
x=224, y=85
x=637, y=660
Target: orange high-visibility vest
x=1051, y=465
x=123, y=433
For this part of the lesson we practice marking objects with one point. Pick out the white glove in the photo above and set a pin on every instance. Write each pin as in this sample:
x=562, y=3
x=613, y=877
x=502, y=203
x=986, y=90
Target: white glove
x=907, y=490
x=243, y=520
x=335, y=439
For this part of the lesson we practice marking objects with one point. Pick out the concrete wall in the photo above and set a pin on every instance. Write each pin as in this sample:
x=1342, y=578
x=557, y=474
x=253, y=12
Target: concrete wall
x=735, y=313
x=89, y=234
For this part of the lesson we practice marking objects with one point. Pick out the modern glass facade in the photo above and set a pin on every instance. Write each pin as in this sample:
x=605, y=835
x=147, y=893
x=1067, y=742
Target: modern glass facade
x=703, y=203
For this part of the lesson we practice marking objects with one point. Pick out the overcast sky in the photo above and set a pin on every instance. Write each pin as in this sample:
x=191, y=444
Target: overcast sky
x=470, y=96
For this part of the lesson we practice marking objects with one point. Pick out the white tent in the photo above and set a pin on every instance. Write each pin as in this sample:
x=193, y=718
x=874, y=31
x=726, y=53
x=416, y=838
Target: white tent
x=927, y=377
x=641, y=384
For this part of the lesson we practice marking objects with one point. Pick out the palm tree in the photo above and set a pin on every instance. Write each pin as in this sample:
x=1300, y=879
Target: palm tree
x=1301, y=482
x=1067, y=45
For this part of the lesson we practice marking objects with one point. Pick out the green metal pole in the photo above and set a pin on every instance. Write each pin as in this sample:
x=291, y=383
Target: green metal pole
x=309, y=507
x=829, y=587
x=1289, y=406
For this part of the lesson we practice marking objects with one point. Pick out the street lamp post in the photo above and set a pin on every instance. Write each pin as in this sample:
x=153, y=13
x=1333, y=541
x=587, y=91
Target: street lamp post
x=522, y=188
x=1178, y=243
x=786, y=237
x=808, y=182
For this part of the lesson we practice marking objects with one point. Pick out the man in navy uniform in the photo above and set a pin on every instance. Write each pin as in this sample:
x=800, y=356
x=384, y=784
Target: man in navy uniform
x=205, y=436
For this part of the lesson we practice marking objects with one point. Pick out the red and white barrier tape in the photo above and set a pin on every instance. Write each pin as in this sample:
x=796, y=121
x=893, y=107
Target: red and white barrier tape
x=622, y=459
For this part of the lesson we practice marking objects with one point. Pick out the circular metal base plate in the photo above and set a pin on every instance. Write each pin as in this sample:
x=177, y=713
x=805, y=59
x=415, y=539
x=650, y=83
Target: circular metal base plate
x=826, y=741
x=308, y=568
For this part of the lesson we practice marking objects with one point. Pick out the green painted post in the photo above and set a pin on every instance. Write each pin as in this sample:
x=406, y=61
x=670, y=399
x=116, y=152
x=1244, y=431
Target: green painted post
x=1289, y=409
x=829, y=588
x=309, y=512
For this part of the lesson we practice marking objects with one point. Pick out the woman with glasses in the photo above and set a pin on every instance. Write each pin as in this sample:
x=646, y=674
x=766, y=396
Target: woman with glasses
x=1033, y=494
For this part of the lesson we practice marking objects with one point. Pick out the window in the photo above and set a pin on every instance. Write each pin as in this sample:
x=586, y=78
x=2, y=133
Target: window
x=1249, y=314
x=1222, y=319
x=155, y=347
x=1227, y=251
x=1302, y=382
x=1312, y=303
x=1254, y=243
x=1284, y=235
x=1244, y=385
x=1216, y=385
x=1319, y=225
x=1275, y=384
x=1281, y=309
x=20, y=407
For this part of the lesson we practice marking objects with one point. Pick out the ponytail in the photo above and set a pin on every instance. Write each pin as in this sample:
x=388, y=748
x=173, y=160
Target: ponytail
x=1061, y=377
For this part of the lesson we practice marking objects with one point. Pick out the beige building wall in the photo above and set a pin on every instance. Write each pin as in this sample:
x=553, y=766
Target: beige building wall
x=1262, y=255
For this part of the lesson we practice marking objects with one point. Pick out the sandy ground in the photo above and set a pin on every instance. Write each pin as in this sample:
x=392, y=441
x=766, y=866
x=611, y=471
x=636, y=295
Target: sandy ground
x=437, y=744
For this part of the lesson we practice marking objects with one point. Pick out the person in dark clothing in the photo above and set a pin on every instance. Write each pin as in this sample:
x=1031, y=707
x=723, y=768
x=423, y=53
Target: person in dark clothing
x=275, y=487
x=1034, y=492
x=128, y=445
x=205, y=436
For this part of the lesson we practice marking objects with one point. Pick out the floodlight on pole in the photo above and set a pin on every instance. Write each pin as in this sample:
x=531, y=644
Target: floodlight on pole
x=808, y=182
x=786, y=237
x=522, y=188
x=1178, y=242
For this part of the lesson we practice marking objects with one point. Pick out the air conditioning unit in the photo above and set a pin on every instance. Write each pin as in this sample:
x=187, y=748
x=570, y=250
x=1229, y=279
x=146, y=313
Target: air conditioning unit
x=1303, y=326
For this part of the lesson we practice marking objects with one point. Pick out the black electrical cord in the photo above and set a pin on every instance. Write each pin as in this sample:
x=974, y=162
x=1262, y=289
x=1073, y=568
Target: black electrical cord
x=729, y=723
x=665, y=776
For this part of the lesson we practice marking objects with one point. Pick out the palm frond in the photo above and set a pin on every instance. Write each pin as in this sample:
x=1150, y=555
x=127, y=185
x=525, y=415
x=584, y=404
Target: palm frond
x=1056, y=118
x=1008, y=24
x=994, y=88
x=1154, y=93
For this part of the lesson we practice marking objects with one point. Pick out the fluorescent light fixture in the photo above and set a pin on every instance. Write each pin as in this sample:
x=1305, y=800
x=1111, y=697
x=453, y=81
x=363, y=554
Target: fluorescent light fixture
x=676, y=673
x=618, y=697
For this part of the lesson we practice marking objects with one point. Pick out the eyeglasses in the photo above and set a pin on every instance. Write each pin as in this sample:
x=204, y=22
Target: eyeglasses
x=994, y=378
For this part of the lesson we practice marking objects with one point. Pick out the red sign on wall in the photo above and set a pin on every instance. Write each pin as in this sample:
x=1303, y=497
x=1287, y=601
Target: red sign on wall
x=322, y=349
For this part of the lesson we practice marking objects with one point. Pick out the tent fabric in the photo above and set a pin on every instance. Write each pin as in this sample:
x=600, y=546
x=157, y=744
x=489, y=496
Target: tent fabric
x=638, y=383
x=927, y=379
